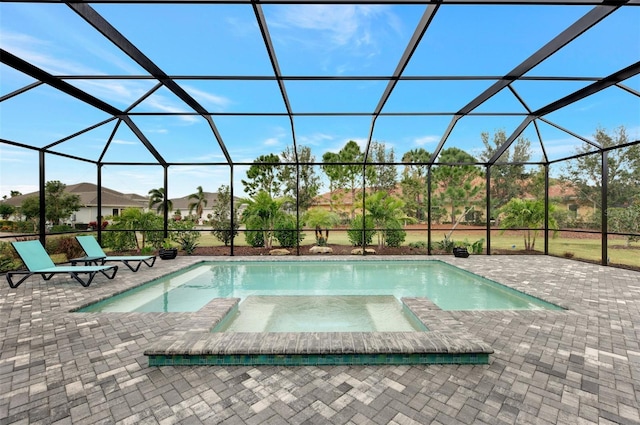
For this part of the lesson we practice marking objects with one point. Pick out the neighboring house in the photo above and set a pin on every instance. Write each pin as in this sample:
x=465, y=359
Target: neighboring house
x=563, y=194
x=182, y=204
x=113, y=202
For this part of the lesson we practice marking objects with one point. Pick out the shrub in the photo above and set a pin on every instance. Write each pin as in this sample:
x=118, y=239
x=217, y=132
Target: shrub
x=254, y=235
x=184, y=234
x=395, y=235
x=120, y=240
x=8, y=258
x=66, y=245
x=355, y=231
x=61, y=228
x=476, y=247
x=255, y=238
x=24, y=227
x=222, y=230
x=286, y=232
x=446, y=244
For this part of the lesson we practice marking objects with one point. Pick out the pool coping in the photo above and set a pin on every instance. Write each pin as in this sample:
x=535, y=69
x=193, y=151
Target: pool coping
x=193, y=343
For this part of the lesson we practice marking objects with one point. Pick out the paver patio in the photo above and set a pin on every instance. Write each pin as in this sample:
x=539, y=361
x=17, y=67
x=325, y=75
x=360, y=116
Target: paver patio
x=577, y=366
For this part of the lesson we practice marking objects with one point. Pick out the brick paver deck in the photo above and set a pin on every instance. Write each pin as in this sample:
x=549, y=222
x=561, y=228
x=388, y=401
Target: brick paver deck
x=580, y=366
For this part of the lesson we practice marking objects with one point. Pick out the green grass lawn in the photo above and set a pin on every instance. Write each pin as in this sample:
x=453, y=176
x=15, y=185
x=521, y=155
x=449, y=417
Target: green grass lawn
x=501, y=243
x=584, y=249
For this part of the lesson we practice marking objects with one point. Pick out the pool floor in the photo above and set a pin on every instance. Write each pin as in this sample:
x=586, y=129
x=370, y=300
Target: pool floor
x=320, y=313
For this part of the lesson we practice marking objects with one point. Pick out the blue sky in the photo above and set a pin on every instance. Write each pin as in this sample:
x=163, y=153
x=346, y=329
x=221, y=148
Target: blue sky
x=309, y=40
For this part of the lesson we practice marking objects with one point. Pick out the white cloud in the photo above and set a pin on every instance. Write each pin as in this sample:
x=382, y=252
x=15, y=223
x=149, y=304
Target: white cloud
x=342, y=24
x=124, y=142
x=124, y=92
x=426, y=140
x=272, y=141
x=314, y=139
x=17, y=155
x=357, y=30
x=37, y=51
x=219, y=103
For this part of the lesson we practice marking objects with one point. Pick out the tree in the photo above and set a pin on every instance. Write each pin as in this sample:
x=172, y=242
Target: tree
x=585, y=172
x=130, y=222
x=30, y=209
x=352, y=159
x=199, y=202
x=59, y=204
x=346, y=173
x=220, y=218
x=261, y=214
x=383, y=175
x=309, y=182
x=626, y=220
x=456, y=182
x=334, y=174
x=156, y=197
x=526, y=214
x=262, y=176
x=508, y=174
x=6, y=210
x=414, y=182
x=321, y=220
x=386, y=213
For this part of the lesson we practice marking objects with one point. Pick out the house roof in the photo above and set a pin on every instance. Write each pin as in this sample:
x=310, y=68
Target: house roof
x=88, y=193
x=557, y=189
x=183, y=202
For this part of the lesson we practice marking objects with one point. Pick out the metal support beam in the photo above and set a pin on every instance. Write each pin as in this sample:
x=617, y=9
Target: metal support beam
x=103, y=26
x=99, y=202
x=271, y=52
x=444, y=138
x=517, y=132
x=25, y=67
x=429, y=210
x=165, y=201
x=147, y=144
x=590, y=19
x=604, y=202
x=546, y=209
x=488, y=206
x=419, y=32
x=232, y=219
x=42, y=211
x=611, y=80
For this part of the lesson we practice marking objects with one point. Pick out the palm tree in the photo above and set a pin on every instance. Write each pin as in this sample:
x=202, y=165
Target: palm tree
x=156, y=197
x=261, y=213
x=386, y=212
x=200, y=201
x=527, y=215
x=321, y=219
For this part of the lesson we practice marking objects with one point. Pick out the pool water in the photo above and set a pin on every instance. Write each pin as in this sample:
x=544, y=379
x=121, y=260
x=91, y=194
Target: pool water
x=447, y=286
x=321, y=313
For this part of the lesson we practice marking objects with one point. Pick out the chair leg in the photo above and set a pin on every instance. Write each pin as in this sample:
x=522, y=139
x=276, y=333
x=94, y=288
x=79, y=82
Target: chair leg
x=131, y=267
x=13, y=284
x=83, y=282
x=105, y=272
x=153, y=261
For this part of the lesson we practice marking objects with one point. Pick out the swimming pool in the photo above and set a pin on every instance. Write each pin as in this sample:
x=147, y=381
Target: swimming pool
x=449, y=287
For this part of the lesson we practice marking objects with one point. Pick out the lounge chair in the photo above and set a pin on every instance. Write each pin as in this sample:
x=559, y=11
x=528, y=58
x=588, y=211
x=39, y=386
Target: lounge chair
x=95, y=255
x=38, y=262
